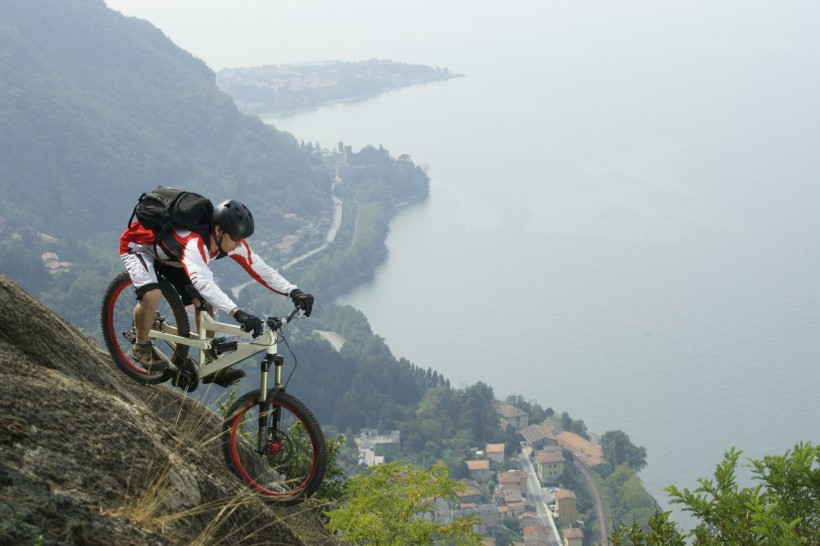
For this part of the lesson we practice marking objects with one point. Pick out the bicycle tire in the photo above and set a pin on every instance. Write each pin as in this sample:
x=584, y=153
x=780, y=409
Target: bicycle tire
x=295, y=461
x=117, y=317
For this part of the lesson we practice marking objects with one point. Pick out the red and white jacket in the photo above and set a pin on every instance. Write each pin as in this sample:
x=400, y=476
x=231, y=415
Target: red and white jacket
x=186, y=249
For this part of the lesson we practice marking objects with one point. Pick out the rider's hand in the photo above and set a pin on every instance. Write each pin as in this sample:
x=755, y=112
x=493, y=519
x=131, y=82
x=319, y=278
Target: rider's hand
x=302, y=301
x=250, y=323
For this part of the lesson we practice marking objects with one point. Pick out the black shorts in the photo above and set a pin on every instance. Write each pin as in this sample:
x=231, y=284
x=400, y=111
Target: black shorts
x=178, y=278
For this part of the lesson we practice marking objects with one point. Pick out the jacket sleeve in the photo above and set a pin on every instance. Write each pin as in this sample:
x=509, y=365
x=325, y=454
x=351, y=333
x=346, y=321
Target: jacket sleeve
x=195, y=261
x=264, y=274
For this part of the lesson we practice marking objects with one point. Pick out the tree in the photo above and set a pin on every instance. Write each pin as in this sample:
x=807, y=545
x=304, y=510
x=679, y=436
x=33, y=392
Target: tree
x=396, y=504
x=793, y=484
x=579, y=428
x=782, y=510
x=566, y=421
x=511, y=441
x=619, y=449
x=660, y=531
x=478, y=413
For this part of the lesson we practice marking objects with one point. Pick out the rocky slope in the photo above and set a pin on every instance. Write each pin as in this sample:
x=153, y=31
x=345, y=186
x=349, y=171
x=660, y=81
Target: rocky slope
x=87, y=456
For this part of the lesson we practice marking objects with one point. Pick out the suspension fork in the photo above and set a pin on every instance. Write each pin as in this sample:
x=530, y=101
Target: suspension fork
x=268, y=418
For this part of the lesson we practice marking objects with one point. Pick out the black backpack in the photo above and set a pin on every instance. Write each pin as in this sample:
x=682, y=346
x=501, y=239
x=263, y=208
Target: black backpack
x=164, y=208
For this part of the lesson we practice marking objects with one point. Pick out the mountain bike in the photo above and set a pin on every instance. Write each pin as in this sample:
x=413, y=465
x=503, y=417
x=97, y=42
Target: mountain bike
x=270, y=439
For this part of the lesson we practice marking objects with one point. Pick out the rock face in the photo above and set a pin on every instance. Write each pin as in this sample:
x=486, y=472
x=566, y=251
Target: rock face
x=88, y=456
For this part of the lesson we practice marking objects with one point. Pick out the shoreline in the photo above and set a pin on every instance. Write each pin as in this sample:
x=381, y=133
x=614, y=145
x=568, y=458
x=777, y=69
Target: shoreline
x=287, y=112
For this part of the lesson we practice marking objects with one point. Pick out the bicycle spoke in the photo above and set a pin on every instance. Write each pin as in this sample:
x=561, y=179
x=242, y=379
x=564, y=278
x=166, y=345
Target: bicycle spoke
x=287, y=460
x=117, y=317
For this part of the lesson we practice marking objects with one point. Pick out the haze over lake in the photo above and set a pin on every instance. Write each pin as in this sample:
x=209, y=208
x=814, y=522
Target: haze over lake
x=623, y=214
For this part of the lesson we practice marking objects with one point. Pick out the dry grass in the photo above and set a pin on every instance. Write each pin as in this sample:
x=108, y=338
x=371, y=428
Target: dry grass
x=164, y=496
x=152, y=489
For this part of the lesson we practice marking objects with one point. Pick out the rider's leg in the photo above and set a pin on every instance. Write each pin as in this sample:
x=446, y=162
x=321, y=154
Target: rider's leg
x=144, y=313
x=198, y=309
x=144, y=351
x=140, y=267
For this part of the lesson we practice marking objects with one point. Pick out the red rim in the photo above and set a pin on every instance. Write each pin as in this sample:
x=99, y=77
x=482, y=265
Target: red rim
x=110, y=320
x=296, y=492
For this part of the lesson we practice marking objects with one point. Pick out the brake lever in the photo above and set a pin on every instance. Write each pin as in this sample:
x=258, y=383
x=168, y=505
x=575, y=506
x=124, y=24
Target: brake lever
x=274, y=323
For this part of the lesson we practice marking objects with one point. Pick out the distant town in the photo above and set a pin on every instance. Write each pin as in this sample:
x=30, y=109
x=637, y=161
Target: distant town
x=290, y=88
x=525, y=486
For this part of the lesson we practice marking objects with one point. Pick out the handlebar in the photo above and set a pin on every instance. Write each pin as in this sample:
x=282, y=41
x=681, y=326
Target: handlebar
x=275, y=323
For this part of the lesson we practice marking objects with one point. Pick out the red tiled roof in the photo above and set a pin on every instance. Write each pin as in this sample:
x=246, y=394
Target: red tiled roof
x=508, y=410
x=564, y=494
x=546, y=457
x=511, y=476
x=573, y=532
x=482, y=464
x=589, y=453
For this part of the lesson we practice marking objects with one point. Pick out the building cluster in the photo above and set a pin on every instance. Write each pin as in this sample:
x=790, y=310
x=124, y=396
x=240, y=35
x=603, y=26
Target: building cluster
x=53, y=264
x=495, y=495
x=512, y=496
x=309, y=232
x=367, y=441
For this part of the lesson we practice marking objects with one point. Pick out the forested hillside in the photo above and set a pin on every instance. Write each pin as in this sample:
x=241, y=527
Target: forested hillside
x=97, y=107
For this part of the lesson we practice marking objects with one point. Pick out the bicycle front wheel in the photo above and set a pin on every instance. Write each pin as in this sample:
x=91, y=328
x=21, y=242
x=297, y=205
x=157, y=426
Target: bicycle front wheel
x=117, y=317
x=279, y=451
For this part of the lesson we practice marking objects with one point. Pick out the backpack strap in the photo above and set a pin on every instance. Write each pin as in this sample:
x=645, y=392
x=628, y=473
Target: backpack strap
x=134, y=212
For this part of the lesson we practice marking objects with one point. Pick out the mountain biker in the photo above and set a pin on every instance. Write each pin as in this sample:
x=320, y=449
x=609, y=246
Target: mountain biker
x=183, y=258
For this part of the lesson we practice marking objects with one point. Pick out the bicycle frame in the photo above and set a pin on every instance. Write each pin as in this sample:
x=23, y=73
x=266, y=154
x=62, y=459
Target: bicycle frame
x=266, y=343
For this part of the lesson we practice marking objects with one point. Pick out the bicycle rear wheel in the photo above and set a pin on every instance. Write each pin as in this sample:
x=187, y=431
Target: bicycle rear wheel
x=117, y=317
x=290, y=464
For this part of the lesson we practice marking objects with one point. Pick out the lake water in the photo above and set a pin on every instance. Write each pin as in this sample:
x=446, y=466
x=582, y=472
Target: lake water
x=631, y=238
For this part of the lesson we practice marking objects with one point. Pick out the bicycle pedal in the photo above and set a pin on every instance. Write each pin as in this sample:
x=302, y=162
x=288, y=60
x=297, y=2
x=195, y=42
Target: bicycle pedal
x=130, y=336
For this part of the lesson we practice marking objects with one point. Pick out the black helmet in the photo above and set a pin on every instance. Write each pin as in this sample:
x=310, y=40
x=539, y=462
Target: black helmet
x=234, y=218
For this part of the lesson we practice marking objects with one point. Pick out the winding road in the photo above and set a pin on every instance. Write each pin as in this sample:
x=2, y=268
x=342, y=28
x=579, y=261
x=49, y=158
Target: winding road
x=334, y=227
x=537, y=499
